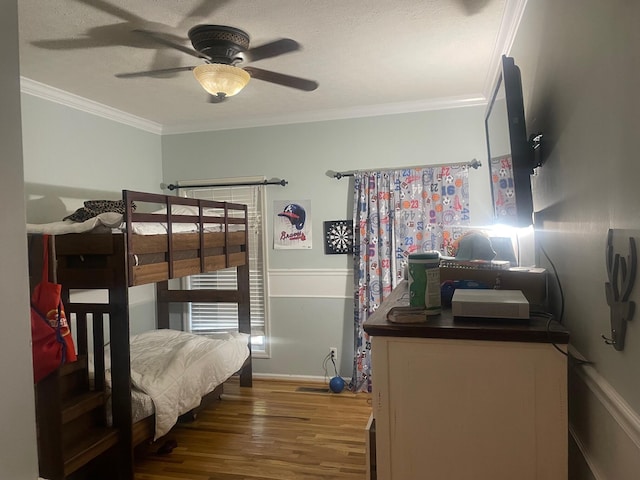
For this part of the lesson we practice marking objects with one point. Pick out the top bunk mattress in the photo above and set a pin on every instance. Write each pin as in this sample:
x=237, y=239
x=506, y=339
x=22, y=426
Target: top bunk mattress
x=149, y=214
x=112, y=222
x=173, y=237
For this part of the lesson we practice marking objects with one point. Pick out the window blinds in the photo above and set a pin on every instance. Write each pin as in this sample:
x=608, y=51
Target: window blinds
x=216, y=317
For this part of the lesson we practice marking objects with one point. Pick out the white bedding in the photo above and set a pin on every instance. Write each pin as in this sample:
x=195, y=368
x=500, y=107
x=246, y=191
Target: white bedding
x=103, y=223
x=171, y=371
x=177, y=368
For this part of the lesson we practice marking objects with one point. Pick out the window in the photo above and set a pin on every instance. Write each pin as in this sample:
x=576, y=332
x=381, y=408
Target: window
x=216, y=317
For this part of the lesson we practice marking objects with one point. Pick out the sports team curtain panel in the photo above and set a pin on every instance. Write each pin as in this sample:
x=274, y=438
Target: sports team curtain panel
x=397, y=213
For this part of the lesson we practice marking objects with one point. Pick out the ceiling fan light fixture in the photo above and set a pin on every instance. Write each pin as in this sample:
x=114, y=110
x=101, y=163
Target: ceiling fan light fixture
x=218, y=78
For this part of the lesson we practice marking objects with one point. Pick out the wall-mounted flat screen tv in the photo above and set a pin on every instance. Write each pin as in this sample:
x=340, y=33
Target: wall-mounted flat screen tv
x=510, y=152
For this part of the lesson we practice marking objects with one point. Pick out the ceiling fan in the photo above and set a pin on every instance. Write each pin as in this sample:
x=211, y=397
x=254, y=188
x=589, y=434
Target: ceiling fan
x=223, y=49
x=123, y=32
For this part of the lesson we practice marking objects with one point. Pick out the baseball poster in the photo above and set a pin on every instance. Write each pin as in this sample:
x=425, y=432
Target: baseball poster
x=292, y=224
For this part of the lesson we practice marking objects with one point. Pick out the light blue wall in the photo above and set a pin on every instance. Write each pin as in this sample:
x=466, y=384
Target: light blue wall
x=71, y=156
x=303, y=153
x=309, y=319
x=580, y=71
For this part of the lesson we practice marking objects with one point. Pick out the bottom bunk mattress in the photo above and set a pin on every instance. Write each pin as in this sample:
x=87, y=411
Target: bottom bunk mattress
x=172, y=370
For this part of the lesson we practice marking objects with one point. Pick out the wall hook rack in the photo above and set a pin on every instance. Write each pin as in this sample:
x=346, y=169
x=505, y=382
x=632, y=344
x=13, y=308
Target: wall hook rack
x=607, y=340
x=621, y=273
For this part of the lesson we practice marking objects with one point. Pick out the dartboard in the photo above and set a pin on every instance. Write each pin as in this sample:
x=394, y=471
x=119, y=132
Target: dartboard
x=338, y=237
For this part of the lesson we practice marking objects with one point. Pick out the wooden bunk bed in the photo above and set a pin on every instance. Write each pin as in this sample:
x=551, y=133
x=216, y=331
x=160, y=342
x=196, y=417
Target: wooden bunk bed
x=72, y=430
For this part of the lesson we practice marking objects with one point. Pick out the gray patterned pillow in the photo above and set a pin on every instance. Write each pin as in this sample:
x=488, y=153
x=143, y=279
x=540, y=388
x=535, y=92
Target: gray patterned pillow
x=93, y=208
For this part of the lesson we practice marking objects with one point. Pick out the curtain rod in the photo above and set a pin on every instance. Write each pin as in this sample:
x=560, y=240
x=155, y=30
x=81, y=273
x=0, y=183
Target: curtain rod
x=473, y=164
x=274, y=181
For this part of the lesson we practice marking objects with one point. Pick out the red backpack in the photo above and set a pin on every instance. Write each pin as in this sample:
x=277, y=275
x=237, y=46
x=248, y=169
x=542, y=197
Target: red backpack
x=51, y=341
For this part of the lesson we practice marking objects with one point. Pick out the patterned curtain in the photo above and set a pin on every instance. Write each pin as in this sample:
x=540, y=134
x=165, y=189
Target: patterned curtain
x=397, y=213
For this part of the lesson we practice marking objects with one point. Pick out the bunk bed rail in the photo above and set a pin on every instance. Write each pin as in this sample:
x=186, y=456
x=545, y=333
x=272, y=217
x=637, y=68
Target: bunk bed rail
x=220, y=240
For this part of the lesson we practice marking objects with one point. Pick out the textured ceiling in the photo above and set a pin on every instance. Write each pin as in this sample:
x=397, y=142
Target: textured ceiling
x=368, y=56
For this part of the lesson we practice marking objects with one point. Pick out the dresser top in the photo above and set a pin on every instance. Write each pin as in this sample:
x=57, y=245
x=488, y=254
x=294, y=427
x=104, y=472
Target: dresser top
x=537, y=329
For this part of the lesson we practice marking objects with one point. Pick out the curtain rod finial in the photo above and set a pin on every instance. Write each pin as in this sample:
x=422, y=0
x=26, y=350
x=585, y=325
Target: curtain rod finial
x=475, y=163
x=338, y=175
x=276, y=181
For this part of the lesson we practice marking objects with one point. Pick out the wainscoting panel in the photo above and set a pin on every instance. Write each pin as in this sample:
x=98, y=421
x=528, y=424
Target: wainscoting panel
x=311, y=283
x=603, y=426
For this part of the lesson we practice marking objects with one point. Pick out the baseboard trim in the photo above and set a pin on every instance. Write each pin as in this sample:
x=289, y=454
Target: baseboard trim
x=585, y=454
x=614, y=420
x=281, y=376
x=300, y=378
x=617, y=407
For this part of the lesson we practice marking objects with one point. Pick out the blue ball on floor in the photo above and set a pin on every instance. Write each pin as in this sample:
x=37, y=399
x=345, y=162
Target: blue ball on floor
x=336, y=384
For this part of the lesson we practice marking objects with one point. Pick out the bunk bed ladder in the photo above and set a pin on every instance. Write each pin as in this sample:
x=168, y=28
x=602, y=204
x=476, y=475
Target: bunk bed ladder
x=71, y=409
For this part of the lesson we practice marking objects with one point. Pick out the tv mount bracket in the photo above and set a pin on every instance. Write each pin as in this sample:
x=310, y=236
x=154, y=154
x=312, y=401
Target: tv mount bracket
x=535, y=141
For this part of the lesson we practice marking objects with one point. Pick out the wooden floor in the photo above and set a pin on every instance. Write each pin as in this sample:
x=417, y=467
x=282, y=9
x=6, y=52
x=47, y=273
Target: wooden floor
x=274, y=430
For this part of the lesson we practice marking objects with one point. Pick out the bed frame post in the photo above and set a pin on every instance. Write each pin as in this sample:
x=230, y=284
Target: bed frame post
x=121, y=362
x=244, y=320
x=162, y=305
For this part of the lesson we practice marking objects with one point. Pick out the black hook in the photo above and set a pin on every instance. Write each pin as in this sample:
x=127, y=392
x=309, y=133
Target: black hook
x=609, y=341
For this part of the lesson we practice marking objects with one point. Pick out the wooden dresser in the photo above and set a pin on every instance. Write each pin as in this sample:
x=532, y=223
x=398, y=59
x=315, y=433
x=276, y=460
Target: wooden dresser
x=468, y=399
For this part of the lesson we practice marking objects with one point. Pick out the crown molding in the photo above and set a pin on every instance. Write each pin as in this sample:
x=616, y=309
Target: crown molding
x=46, y=92
x=513, y=11
x=40, y=90
x=332, y=114
x=512, y=16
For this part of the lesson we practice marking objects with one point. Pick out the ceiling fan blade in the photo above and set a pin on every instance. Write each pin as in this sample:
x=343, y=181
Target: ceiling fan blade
x=471, y=7
x=164, y=57
x=169, y=43
x=73, y=43
x=116, y=34
x=282, y=79
x=204, y=9
x=271, y=49
x=113, y=10
x=154, y=73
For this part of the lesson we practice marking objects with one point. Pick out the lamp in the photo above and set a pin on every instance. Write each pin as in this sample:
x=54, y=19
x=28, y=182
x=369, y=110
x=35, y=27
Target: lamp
x=221, y=80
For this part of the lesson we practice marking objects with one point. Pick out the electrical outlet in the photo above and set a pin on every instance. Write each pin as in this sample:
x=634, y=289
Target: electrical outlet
x=333, y=351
